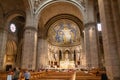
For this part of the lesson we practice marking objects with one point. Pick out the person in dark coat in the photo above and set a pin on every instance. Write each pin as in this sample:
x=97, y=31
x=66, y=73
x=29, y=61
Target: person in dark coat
x=104, y=76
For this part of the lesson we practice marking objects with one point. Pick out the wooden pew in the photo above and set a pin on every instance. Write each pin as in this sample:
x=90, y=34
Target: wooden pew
x=86, y=76
x=3, y=76
x=53, y=75
x=37, y=75
x=59, y=75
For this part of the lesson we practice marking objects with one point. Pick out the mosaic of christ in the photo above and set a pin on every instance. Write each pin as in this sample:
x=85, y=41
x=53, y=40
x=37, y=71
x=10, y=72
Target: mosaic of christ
x=64, y=32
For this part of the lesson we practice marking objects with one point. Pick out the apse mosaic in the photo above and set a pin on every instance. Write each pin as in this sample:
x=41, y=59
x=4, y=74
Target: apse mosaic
x=64, y=32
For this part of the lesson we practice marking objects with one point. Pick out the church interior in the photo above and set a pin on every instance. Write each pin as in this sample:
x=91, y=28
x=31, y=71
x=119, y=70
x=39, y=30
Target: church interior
x=60, y=39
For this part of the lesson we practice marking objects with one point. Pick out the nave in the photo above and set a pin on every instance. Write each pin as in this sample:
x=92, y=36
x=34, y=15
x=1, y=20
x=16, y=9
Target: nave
x=63, y=34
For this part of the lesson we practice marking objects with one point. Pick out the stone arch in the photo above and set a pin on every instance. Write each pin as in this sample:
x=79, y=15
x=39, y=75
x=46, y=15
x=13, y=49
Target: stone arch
x=18, y=18
x=42, y=9
x=42, y=24
x=12, y=14
x=47, y=3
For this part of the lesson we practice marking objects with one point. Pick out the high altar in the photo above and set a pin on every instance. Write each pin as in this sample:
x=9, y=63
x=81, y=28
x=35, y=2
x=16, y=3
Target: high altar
x=67, y=64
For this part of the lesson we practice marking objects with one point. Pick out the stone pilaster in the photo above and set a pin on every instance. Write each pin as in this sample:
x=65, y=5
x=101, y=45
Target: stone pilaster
x=29, y=48
x=110, y=24
x=42, y=56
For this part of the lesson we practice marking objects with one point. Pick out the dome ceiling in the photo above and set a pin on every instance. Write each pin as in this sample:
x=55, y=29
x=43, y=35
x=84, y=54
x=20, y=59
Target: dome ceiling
x=64, y=32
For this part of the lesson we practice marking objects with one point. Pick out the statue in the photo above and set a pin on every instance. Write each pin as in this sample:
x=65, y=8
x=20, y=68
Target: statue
x=66, y=55
x=56, y=57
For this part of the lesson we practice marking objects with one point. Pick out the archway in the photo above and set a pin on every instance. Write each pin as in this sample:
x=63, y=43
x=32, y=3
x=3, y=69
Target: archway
x=15, y=27
x=51, y=25
x=10, y=56
x=11, y=12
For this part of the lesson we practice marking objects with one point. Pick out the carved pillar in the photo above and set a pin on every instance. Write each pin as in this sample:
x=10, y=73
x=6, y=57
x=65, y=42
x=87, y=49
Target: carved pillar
x=29, y=48
x=109, y=14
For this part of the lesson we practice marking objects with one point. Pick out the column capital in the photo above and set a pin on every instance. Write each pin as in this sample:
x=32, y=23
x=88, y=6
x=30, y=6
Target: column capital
x=90, y=24
x=30, y=28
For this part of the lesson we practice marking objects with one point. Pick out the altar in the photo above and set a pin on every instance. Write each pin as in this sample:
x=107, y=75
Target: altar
x=66, y=64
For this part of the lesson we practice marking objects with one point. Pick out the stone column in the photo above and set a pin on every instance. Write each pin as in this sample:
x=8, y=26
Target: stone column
x=82, y=53
x=62, y=54
x=110, y=31
x=42, y=53
x=93, y=45
x=118, y=1
x=29, y=48
x=90, y=36
x=116, y=19
x=3, y=40
x=87, y=46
